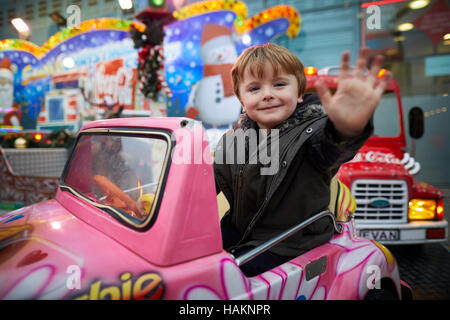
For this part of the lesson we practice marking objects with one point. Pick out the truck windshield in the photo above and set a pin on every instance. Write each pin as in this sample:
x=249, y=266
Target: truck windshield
x=386, y=119
x=119, y=173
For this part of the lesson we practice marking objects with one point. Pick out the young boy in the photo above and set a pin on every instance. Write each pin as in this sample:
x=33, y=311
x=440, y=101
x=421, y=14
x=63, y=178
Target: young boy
x=315, y=137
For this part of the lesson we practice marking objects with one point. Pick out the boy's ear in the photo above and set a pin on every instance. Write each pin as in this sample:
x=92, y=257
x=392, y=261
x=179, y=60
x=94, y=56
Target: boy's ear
x=300, y=99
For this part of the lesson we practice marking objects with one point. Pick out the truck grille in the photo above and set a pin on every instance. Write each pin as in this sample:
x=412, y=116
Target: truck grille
x=381, y=201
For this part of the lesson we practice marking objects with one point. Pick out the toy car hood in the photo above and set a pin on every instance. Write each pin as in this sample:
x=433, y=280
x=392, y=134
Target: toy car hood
x=34, y=249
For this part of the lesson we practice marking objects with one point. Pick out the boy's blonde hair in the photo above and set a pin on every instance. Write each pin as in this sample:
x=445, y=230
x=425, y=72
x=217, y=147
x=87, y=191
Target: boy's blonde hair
x=255, y=58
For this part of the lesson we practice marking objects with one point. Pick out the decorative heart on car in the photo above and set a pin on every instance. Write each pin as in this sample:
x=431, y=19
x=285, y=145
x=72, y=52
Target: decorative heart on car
x=32, y=257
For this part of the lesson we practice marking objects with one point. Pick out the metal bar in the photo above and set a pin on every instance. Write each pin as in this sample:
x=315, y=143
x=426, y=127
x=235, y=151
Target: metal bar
x=133, y=189
x=284, y=235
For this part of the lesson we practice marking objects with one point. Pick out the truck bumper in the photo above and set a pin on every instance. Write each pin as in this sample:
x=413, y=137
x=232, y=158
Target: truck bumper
x=417, y=232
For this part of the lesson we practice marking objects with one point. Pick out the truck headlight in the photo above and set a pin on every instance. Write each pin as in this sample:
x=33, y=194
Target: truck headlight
x=440, y=209
x=425, y=209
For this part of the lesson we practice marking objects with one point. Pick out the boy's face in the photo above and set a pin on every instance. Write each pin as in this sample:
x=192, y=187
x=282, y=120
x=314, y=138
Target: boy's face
x=271, y=99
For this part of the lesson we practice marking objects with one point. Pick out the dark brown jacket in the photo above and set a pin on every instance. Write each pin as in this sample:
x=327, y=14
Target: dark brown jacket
x=262, y=206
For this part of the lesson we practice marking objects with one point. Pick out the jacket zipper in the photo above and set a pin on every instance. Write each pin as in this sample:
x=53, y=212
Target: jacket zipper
x=239, y=188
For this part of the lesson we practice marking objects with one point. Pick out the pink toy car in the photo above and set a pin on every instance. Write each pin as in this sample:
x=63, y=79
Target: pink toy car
x=136, y=217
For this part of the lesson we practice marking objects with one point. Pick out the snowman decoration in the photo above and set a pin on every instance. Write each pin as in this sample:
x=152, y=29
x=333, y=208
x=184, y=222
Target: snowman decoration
x=212, y=99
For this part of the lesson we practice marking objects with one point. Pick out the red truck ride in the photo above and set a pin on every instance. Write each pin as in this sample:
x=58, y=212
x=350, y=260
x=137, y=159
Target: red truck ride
x=392, y=206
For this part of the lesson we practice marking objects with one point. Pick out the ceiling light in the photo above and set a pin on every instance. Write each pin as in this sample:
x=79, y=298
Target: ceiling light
x=125, y=4
x=447, y=36
x=20, y=25
x=405, y=26
x=418, y=4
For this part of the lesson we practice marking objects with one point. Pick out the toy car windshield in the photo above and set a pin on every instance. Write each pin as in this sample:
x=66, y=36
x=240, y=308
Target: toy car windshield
x=119, y=173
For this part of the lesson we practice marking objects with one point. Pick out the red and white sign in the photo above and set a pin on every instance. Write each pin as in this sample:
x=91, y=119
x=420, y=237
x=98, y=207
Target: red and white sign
x=376, y=156
x=113, y=83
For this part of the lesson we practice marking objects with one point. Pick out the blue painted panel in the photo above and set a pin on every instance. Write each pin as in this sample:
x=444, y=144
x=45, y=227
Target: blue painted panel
x=325, y=33
x=325, y=41
x=56, y=111
x=437, y=66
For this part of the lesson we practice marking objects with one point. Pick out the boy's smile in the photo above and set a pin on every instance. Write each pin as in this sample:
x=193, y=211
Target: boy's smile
x=271, y=99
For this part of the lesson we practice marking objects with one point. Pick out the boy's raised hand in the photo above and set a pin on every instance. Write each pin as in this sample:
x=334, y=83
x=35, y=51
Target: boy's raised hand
x=356, y=97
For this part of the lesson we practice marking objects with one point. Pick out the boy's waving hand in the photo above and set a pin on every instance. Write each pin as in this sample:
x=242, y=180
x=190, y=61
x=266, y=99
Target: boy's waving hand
x=356, y=97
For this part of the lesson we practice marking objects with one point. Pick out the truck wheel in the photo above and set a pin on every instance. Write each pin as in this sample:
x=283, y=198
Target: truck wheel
x=380, y=294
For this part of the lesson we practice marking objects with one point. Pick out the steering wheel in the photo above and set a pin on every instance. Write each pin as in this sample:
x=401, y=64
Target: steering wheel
x=116, y=196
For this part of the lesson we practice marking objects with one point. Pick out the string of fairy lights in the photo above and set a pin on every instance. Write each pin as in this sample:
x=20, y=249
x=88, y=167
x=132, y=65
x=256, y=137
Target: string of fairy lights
x=241, y=23
x=67, y=33
x=435, y=112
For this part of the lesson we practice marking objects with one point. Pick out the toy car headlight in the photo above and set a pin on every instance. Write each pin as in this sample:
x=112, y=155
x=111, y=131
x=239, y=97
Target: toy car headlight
x=422, y=209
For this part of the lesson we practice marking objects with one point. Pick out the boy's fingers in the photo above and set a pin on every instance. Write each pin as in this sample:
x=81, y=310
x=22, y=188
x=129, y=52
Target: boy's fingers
x=344, y=71
x=376, y=66
x=324, y=93
x=361, y=63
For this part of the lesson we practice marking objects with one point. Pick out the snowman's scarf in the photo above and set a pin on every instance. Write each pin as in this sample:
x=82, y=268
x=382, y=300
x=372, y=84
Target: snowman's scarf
x=224, y=70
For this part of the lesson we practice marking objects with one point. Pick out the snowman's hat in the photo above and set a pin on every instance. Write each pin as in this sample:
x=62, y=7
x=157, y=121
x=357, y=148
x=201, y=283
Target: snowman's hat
x=212, y=31
x=6, y=70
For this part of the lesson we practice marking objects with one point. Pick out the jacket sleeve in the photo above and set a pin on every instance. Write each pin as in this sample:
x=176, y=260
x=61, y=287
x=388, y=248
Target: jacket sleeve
x=327, y=152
